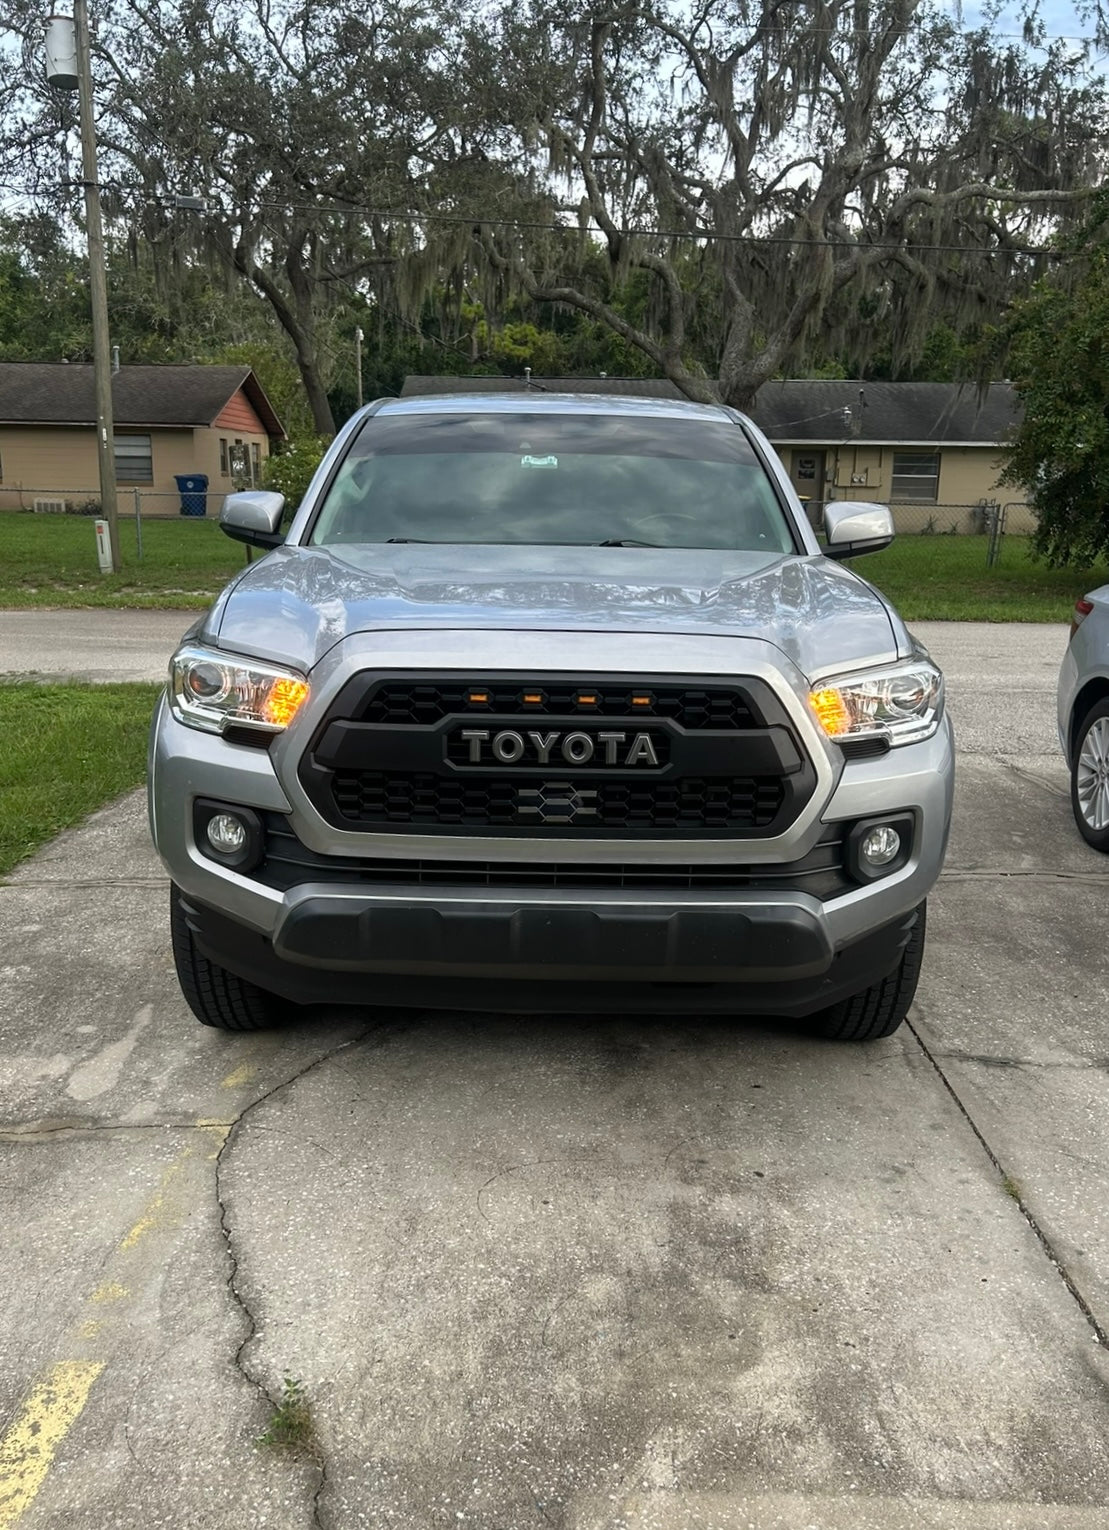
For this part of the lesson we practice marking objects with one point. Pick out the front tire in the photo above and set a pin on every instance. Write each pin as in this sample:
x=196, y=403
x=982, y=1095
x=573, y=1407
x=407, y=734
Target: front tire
x=217, y=997
x=1089, y=777
x=880, y=1009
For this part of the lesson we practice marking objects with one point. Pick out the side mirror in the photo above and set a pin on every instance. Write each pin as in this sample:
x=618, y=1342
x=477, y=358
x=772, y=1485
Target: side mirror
x=855, y=526
x=253, y=516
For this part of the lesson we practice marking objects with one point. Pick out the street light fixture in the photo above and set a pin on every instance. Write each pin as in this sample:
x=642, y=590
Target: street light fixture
x=69, y=67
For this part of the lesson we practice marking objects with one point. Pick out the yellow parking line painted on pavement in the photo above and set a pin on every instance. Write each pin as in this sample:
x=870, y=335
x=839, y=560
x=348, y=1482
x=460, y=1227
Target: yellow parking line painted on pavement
x=217, y=1134
x=111, y=1291
x=242, y=1075
x=157, y=1210
x=27, y=1449
x=56, y=1400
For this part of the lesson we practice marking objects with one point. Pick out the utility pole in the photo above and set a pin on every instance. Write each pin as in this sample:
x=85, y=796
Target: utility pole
x=60, y=76
x=358, y=363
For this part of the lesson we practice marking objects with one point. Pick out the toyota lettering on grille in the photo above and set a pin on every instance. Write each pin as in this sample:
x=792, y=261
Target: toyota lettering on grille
x=607, y=746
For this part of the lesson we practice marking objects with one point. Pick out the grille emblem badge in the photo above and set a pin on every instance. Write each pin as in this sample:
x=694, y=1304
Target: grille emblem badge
x=555, y=802
x=576, y=748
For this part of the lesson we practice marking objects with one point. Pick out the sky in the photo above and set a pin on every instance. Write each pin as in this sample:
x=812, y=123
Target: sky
x=1059, y=18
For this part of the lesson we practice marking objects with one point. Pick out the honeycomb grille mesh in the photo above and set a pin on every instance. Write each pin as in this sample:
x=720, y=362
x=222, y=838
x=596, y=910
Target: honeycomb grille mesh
x=722, y=802
x=411, y=704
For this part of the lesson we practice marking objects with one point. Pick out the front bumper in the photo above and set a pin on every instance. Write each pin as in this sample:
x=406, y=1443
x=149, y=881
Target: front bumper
x=772, y=961
x=529, y=948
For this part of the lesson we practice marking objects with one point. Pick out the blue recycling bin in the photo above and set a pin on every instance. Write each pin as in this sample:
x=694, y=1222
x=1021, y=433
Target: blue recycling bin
x=193, y=489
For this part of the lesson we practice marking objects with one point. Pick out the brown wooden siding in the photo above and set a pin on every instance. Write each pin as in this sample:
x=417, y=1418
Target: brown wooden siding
x=238, y=414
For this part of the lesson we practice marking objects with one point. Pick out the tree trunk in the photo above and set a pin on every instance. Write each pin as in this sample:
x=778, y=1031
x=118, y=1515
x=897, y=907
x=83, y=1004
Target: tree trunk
x=322, y=417
x=298, y=332
x=740, y=393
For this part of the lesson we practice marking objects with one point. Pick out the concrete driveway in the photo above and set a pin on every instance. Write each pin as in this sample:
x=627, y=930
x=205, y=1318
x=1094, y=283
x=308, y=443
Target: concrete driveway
x=605, y=1274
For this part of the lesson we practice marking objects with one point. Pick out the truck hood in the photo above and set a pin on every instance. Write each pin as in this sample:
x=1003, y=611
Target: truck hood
x=298, y=602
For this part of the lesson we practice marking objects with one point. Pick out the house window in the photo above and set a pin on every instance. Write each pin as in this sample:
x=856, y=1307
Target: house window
x=916, y=475
x=134, y=463
x=239, y=460
x=256, y=459
x=225, y=470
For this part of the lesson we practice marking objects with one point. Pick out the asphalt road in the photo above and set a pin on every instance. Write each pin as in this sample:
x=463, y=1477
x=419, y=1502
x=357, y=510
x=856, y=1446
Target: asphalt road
x=90, y=645
x=591, y=1274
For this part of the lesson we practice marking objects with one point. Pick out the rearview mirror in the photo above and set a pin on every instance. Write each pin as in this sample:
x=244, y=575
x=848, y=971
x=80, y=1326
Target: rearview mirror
x=855, y=526
x=253, y=516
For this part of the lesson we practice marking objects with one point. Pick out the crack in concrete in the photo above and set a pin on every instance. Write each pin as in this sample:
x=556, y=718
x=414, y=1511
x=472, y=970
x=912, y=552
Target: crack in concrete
x=33, y=1131
x=1031, y=778
x=316, y=1457
x=75, y=884
x=975, y=873
x=1012, y=1188
x=1002, y=1060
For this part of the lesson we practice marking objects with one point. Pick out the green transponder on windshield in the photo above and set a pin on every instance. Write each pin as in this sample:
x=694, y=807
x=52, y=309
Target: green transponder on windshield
x=542, y=462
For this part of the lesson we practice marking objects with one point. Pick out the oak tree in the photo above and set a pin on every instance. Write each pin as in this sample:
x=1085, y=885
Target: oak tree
x=781, y=170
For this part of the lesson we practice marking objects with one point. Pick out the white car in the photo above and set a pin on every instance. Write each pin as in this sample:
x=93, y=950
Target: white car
x=1084, y=716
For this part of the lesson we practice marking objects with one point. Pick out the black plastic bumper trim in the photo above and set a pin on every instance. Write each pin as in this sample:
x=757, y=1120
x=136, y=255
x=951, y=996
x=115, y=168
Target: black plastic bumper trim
x=810, y=976
x=545, y=940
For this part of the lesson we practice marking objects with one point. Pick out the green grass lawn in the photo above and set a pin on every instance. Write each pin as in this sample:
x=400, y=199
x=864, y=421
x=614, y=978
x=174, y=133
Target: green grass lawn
x=65, y=750
x=942, y=578
x=50, y=560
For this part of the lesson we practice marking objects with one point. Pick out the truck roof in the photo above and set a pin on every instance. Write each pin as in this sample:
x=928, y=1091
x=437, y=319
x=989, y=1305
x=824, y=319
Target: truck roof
x=537, y=401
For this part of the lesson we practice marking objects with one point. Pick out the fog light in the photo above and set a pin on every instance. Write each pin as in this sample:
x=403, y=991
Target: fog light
x=879, y=846
x=226, y=834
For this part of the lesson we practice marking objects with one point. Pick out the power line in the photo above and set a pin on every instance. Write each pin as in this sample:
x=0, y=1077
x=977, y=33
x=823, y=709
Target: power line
x=480, y=220
x=706, y=236
x=1035, y=41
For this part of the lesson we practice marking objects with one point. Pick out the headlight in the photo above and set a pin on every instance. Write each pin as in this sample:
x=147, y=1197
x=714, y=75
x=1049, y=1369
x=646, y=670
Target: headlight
x=214, y=691
x=902, y=705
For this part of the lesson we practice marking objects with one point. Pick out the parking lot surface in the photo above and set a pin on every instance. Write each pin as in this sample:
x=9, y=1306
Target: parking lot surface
x=583, y=1273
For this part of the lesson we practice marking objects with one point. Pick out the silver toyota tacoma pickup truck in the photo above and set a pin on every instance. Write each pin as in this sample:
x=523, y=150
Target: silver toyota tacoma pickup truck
x=549, y=702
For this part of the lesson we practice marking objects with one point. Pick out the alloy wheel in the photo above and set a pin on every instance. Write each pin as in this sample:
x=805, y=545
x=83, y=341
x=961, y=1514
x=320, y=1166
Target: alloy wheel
x=1092, y=775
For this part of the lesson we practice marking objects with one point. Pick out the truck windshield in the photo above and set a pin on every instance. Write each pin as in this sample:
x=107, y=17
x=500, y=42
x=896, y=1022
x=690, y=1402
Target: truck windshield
x=553, y=479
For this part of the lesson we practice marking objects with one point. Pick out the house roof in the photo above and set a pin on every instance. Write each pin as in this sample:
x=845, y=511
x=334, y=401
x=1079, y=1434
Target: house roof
x=60, y=393
x=809, y=410
x=909, y=413
x=626, y=387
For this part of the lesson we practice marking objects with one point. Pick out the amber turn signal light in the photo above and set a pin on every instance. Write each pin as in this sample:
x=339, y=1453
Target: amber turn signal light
x=831, y=711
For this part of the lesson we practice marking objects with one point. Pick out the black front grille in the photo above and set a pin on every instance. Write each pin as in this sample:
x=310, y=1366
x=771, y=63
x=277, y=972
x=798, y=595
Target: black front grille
x=406, y=703
x=288, y=863
x=558, y=756
x=367, y=798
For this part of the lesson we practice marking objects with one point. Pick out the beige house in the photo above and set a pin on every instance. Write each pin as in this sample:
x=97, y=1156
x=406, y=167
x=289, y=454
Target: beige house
x=169, y=420
x=931, y=450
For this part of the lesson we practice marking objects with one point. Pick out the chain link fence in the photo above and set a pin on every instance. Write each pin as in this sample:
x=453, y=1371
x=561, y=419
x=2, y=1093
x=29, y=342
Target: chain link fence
x=135, y=505
x=986, y=524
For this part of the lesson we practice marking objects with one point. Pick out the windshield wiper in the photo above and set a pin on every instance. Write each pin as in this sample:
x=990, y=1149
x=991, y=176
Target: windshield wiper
x=626, y=542
x=426, y=541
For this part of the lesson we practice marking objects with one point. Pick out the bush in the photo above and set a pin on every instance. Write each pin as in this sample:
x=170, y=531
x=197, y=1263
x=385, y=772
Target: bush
x=289, y=471
x=86, y=507
x=1059, y=364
